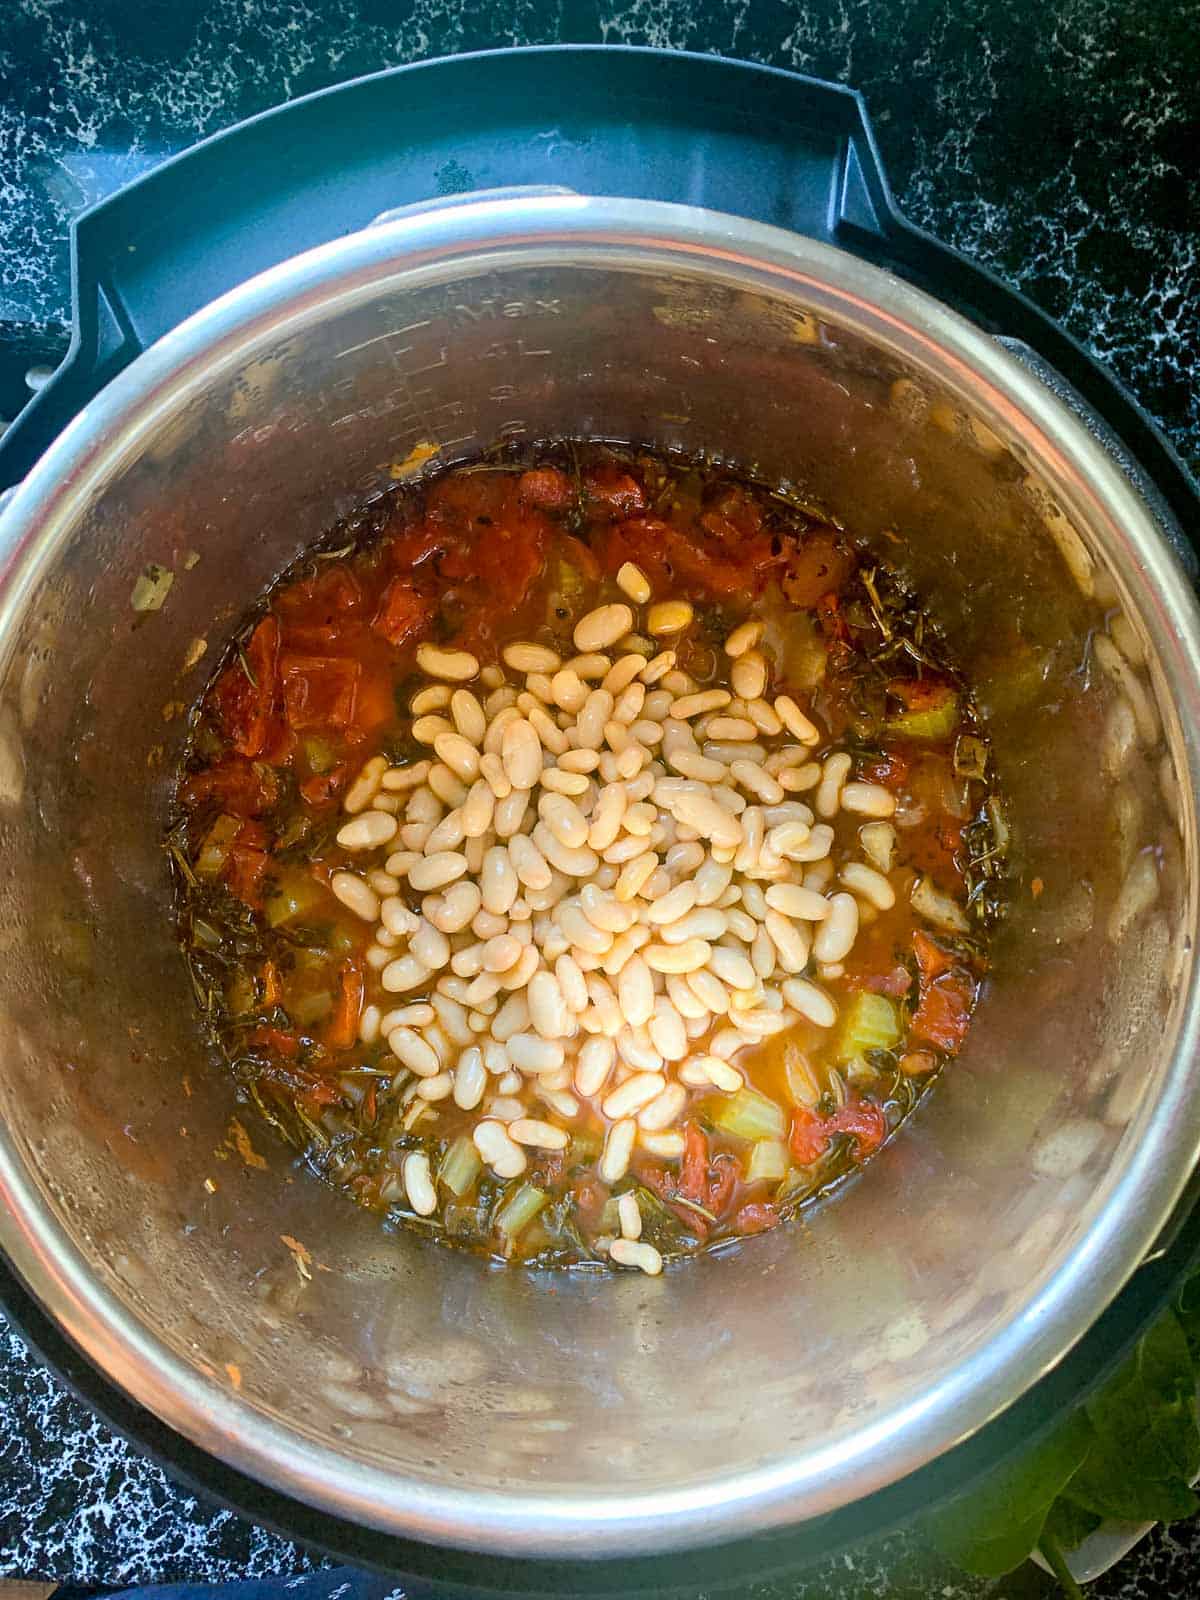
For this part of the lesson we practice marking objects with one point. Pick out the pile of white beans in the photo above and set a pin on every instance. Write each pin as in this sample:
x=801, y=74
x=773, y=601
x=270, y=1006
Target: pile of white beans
x=619, y=887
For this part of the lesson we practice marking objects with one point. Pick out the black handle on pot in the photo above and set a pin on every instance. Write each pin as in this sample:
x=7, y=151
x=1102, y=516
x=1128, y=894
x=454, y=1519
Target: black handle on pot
x=1061, y=360
x=599, y=119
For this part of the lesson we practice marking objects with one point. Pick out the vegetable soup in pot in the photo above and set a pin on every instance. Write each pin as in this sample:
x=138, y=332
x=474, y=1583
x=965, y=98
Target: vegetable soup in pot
x=587, y=857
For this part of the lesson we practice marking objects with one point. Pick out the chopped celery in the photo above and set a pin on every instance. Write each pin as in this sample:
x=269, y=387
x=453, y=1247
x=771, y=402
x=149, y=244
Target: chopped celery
x=319, y=754
x=214, y=852
x=869, y=1022
x=519, y=1210
x=568, y=590
x=460, y=1166
x=297, y=894
x=768, y=1162
x=749, y=1115
x=935, y=722
x=584, y=1147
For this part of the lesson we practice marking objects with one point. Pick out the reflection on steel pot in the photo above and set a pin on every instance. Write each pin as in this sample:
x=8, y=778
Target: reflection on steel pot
x=411, y=1389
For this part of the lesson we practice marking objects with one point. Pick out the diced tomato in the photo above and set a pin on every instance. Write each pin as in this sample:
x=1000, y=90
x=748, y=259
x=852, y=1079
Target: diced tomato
x=932, y=960
x=245, y=868
x=944, y=1012
x=693, y=1169
x=317, y=1093
x=375, y=705
x=495, y=571
x=281, y=742
x=707, y=1182
x=545, y=487
x=275, y=1041
x=332, y=593
x=233, y=783
x=736, y=508
x=246, y=864
x=412, y=548
x=809, y=1137
x=609, y=489
x=756, y=1217
x=323, y=787
x=736, y=541
x=895, y=981
x=672, y=561
x=865, y=1120
x=342, y=1028
x=890, y=768
x=947, y=997
x=244, y=695
x=929, y=693
x=318, y=638
x=403, y=615
x=319, y=691
x=810, y=1133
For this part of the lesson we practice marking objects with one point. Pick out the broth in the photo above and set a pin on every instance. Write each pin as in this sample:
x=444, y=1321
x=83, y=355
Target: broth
x=710, y=962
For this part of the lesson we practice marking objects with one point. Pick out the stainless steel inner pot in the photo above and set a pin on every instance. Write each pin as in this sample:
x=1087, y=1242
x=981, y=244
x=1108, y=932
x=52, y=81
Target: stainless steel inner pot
x=419, y=1391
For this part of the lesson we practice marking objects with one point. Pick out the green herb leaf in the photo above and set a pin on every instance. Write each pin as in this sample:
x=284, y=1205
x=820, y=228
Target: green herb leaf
x=994, y=1527
x=1068, y=1524
x=1147, y=1445
x=1187, y=1309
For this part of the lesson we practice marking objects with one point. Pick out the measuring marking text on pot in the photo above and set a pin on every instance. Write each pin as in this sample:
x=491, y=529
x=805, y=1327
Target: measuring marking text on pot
x=407, y=1388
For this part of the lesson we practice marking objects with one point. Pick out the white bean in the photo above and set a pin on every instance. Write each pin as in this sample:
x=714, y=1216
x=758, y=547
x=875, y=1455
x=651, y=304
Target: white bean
x=437, y=870
x=404, y=973
x=541, y=1135
x=528, y=1052
x=414, y=1052
x=456, y=665
x=601, y=628
x=368, y=831
x=836, y=935
x=502, y=1154
x=795, y=901
x=810, y=1001
x=548, y=1010
x=521, y=753
x=868, y=883
x=635, y=991
x=868, y=800
x=418, y=1183
x=356, y=895
x=430, y=946
x=618, y=1148
x=593, y=1065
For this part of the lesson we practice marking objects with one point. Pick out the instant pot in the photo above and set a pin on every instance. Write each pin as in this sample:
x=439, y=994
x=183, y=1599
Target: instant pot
x=226, y=397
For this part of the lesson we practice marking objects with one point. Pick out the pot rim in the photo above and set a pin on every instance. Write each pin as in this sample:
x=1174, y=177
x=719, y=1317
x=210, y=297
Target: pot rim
x=1133, y=1205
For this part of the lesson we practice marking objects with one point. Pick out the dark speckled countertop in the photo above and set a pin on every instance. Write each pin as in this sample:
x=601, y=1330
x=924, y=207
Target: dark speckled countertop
x=1054, y=140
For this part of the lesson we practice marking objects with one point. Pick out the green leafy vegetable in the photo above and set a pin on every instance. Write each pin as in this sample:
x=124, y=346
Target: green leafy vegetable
x=994, y=1528
x=1146, y=1448
x=1128, y=1454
